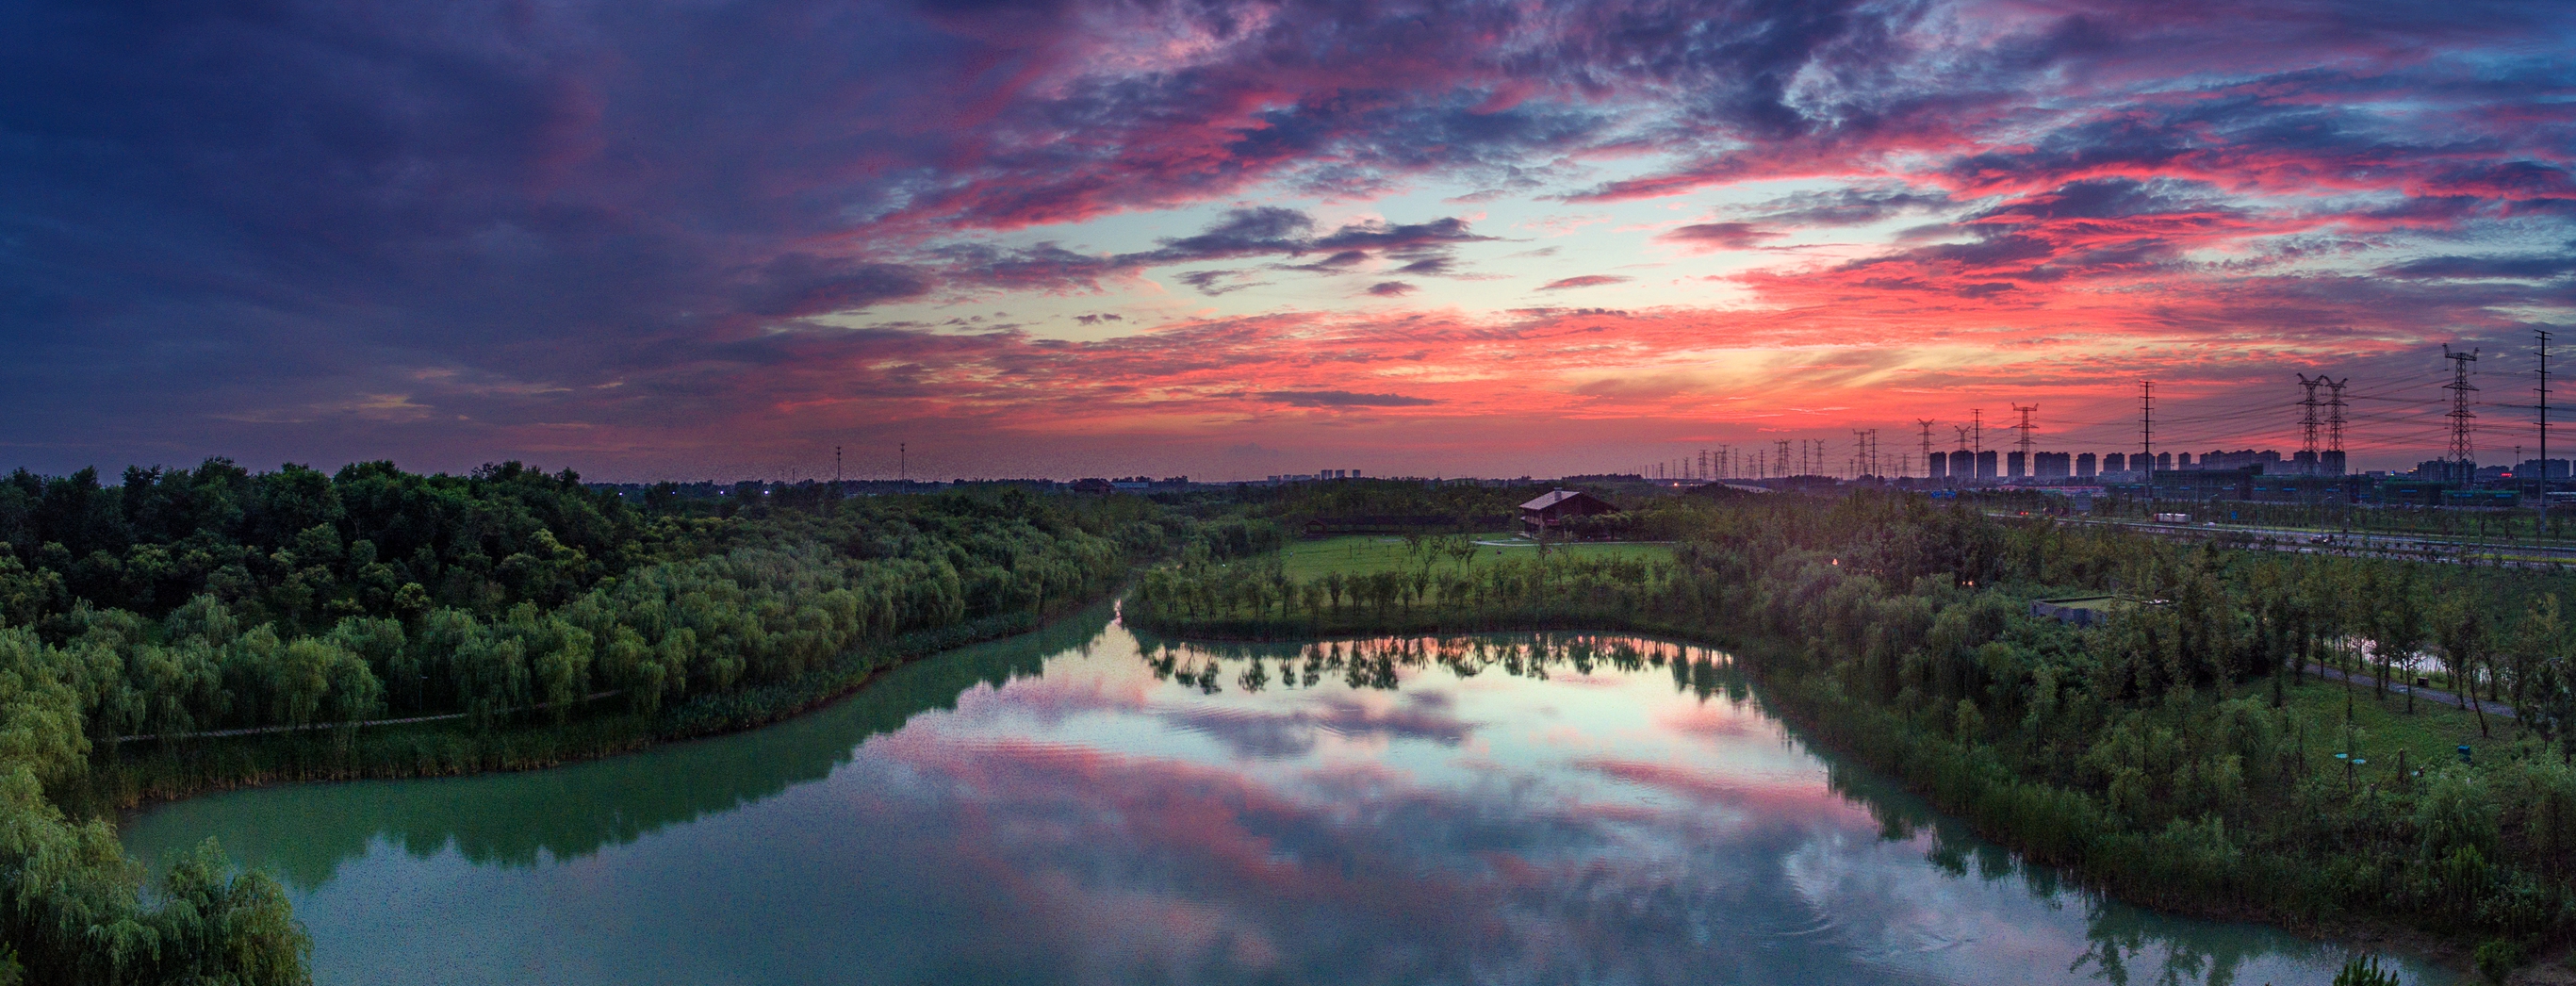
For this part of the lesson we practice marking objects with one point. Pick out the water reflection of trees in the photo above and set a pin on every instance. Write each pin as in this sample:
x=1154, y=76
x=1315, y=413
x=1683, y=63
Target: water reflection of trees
x=1378, y=663
x=304, y=834
x=2123, y=943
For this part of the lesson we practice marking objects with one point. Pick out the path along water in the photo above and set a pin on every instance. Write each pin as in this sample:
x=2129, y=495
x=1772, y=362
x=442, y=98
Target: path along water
x=1085, y=806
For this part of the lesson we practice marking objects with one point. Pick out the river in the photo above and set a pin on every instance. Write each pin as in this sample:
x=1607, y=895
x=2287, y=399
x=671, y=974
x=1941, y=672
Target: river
x=1085, y=806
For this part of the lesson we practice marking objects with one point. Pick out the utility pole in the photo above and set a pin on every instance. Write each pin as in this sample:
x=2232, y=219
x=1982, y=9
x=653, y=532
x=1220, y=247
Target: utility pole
x=902, y=465
x=2147, y=434
x=2463, y=421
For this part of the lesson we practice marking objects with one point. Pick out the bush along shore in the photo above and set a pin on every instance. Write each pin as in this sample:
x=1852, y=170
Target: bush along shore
x=531, y=619
x=2179, y=753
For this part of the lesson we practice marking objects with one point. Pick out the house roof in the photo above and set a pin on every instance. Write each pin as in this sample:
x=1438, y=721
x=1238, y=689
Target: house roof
x=1555, y=497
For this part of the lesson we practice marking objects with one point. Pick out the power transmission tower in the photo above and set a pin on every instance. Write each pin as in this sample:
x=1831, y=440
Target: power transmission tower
x=1783, y=458
x=2147, y=434
x=2334, y=415
x=2543, y=406
x=2463, y=421
x=2030, y=470
x=1861, y=462
x=2308, y=423
x=1926, y=460
x=1977, y=441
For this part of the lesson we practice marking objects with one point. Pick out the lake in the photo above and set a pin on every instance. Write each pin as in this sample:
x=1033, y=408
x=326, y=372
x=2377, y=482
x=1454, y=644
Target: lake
x=1087, y=806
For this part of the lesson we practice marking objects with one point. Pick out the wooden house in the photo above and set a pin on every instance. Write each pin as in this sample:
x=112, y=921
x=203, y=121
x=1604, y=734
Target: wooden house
x=1550, y=512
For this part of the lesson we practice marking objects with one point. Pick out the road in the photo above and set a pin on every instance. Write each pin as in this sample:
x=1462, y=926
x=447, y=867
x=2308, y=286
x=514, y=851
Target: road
x=2396, y=687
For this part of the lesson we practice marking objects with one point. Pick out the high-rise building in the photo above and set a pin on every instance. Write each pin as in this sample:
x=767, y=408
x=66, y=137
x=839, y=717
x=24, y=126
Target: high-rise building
x=2084, y=466
x=2115, y=462
x=1937, y=465
x=2015, y=466
x=1963, y=466
x=2165, y=461
x=1986, y=466
x=2049, y=467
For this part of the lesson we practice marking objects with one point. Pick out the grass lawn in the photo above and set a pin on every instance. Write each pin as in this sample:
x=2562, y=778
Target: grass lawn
x=1361, y=554
x=2430, y=736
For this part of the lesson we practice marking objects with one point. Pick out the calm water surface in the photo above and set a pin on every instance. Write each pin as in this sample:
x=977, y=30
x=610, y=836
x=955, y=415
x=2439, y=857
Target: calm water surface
x=1085, y=807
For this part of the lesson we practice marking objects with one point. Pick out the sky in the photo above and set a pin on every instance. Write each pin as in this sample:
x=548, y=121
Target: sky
x=684, y=239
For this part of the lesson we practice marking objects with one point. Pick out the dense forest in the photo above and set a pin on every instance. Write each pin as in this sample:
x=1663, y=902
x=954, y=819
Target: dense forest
x=137, y=619
x=2154, y=752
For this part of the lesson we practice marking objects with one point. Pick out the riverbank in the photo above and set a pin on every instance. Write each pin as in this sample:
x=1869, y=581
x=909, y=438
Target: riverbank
x=128, y=780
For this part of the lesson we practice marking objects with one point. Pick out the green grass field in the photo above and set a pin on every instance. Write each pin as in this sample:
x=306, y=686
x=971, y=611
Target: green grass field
x=1361, y=554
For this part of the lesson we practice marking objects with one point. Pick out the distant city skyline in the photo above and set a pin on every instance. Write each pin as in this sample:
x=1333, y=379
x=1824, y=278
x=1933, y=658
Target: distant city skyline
x=1230, y=240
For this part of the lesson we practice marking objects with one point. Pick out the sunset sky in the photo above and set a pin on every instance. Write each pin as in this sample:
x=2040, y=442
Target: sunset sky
x=708, y=239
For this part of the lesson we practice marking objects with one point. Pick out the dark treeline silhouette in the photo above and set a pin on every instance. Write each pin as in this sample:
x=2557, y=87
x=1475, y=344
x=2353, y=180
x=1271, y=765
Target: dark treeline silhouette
x=548, y=619
x=2154, y=753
